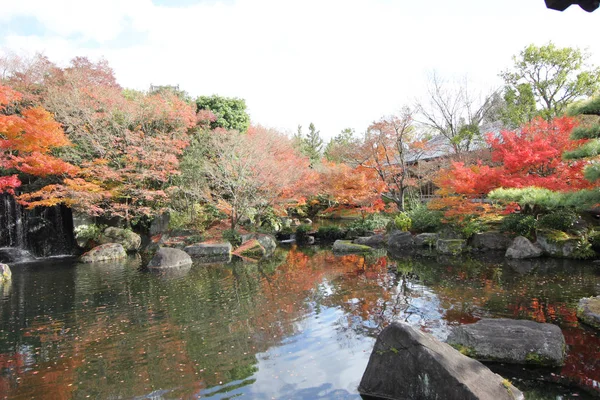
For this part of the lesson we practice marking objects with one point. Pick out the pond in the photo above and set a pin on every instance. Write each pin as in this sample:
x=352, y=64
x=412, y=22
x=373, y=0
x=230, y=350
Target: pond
x=300, y=325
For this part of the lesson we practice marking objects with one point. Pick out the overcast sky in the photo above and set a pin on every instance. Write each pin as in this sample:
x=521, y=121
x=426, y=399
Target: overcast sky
x=337, y=63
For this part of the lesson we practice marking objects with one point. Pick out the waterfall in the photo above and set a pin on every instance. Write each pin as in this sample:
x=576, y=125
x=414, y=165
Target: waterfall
x=41, y=232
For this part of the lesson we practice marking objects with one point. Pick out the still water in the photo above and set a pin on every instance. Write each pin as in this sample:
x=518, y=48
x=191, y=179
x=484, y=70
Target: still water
x=300, y=325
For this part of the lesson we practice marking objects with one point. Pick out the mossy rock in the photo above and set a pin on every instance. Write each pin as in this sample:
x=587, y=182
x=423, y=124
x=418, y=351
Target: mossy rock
x=588, y=311
x=346, y=246
x=451, y=246
x=252, y=248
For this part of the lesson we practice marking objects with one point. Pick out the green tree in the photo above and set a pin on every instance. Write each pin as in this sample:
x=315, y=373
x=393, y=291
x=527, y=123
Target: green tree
x=339, y=145
x=230, y=112
x=545, y=80
x=311, y=144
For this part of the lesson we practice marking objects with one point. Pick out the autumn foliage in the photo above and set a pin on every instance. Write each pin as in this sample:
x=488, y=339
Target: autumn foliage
x=531, y=156
x=27, y=138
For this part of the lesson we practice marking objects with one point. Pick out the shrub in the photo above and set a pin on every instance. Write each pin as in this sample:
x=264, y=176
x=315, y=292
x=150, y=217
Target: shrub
x=199, y=217
x=302, y=233
x=233, y=237
x=89, y=232
x=330, y=233
x=424, y=219
x=402, y=222
x=519, y=225
x=560, y=220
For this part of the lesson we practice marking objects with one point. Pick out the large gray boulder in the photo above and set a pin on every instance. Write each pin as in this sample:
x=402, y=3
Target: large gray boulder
x=374, y=240
x=451, y=246
x=268, y=242
x=209, y=250
x=167, y=257
x=104, y=252
x=588, y=311
x=346, y=246
x=130, y=241
x=490, y=241
x=409, y=364
x=511, y=341
x=5, y=273
x=400, y=240
x=521, y=247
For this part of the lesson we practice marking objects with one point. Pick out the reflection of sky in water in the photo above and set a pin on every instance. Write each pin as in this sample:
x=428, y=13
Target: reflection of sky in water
x=315, y=363
x=327, y=356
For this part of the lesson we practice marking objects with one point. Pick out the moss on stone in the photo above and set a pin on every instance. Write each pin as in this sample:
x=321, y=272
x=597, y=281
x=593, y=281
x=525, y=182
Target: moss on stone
x=465, y=350
x=537, y=359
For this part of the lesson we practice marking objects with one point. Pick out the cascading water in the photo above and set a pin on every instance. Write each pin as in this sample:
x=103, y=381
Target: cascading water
x=41, y=232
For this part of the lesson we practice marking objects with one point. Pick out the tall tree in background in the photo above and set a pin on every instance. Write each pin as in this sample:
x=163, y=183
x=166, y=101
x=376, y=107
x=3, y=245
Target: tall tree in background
x=390, y=146
x=230, y=112
x=454, y=112
x=545, y=80
x=244, y=173
x=339, y=147
x=311, y=144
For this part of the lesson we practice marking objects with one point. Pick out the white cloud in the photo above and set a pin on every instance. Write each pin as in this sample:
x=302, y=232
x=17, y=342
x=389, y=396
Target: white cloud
x=337, y=63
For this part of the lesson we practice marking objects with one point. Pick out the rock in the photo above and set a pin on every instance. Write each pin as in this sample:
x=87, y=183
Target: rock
x=209, y=249
x=267, y=241
x=5, y=274
x=490, y=241
x=425, y=239
x=160, y=224
x=375, y=240
x=15, y=255
x=521, y=247
x=588, y=311
x=557, y=243
x=130, y=241
x=400, y=240
x=409, y=364
x=167, y=257
x=346, y=246
x=251, y=248
x=104, y=252
x=511, y=341
x=451, y=246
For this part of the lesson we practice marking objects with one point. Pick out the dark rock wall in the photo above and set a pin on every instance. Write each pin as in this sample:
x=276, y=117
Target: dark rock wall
x=43, y=231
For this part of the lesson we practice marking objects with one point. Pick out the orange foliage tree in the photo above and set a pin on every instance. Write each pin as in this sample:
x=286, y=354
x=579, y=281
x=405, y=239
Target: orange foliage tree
x=127, y=144
x=27, y=138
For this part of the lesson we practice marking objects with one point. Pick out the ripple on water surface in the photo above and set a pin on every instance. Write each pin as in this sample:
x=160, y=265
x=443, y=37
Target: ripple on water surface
x=299, y=325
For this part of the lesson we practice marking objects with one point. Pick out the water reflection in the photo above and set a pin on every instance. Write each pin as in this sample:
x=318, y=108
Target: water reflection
x=298, y=325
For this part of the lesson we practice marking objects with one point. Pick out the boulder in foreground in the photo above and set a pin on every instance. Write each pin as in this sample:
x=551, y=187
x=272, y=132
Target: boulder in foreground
x=105, y=252
x=409, y=364
x=588, y=311
x=167, y=257
x=511, y=341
